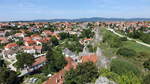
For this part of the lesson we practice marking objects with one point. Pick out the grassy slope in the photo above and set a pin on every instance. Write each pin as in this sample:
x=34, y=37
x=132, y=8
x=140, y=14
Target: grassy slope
x=137, y=47
x=109, y=52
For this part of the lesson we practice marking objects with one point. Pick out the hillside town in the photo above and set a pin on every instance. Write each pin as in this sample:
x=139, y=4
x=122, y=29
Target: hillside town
x=53, y=52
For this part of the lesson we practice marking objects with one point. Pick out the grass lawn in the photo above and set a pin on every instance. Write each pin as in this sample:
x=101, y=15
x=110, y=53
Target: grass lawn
x=137, y=47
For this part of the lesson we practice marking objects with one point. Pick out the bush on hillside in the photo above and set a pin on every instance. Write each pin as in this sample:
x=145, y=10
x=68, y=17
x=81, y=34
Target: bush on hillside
x=145, y=38
x=146, y=79
x=126, y=52
x=146, y=64
x=123, y=38
x=128, y=78
x=120, y=67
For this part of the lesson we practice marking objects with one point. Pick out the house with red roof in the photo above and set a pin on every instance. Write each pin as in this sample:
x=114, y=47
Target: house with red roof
x=3, y=40
x=39, y=62
x=27, y=38
x=29, y=43
x=58, y=78
x=32, y=49
x=36, y=37
x=19, y=35
x=28, y=49
x=2, y=33
x=89, y=58
x=47, y=33
x=38, y=49
x=10, y=46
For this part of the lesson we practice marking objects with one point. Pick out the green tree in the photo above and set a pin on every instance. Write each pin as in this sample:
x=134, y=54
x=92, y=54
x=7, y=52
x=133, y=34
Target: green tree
x=87, y=33
x=64, y=35
x=19, y=43
x=46, y=46
x=24, y=59
x=145, y=38
x=84, y=73
x=2, y=64
x=56, y=61
x=54, y=41
x=7, y=76
x=113, y=40
x=74, y=46
x=135, y=34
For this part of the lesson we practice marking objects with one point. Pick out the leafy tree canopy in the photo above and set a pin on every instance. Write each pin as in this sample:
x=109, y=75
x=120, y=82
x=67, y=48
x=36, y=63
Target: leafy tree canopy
x=87, y=33
x=56, y=61
x=7, y=76
x=2, y=64
x=24, y=59
x=84, y=73
x=54, y=41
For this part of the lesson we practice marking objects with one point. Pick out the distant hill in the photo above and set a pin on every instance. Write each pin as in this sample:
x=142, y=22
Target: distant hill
x=93, y=19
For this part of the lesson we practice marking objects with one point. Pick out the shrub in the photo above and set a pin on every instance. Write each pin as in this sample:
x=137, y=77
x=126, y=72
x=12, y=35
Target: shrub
x=110, y=75
x=141, y=56
x=146, y=79
x=128, y=78
x=126, y=52
x=145, y=38
x=146, y=64
x=123, y=38
x=120, y=67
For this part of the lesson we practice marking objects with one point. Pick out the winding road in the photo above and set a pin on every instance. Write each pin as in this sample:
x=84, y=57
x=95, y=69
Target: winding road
x=142, y=43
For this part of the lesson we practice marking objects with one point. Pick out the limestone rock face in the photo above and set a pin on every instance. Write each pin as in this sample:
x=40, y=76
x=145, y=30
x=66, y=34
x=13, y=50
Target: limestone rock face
x=104, y=80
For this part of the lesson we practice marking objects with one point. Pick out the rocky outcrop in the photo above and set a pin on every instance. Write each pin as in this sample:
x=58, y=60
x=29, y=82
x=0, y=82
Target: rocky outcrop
x=104, y=80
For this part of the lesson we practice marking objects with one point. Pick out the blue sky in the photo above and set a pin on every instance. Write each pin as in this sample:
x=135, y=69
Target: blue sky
x=50, y=9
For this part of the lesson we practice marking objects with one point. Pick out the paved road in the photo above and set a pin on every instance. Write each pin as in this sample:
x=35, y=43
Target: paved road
x=11, y=66
x=142, y=43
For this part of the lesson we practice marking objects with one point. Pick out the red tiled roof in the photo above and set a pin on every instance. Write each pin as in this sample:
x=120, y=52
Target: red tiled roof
x=45, y=40
x=35, y=36
x=2, y=38
x=88, y=39
x=18, y=34
x=58, y=77
x=30, y=42
x=27, y=47
x=10, y=45
x=39, y=60
x=47, y=32
x=93, y=58
x=38, y=47
x=27, y=38
x=32, y=47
